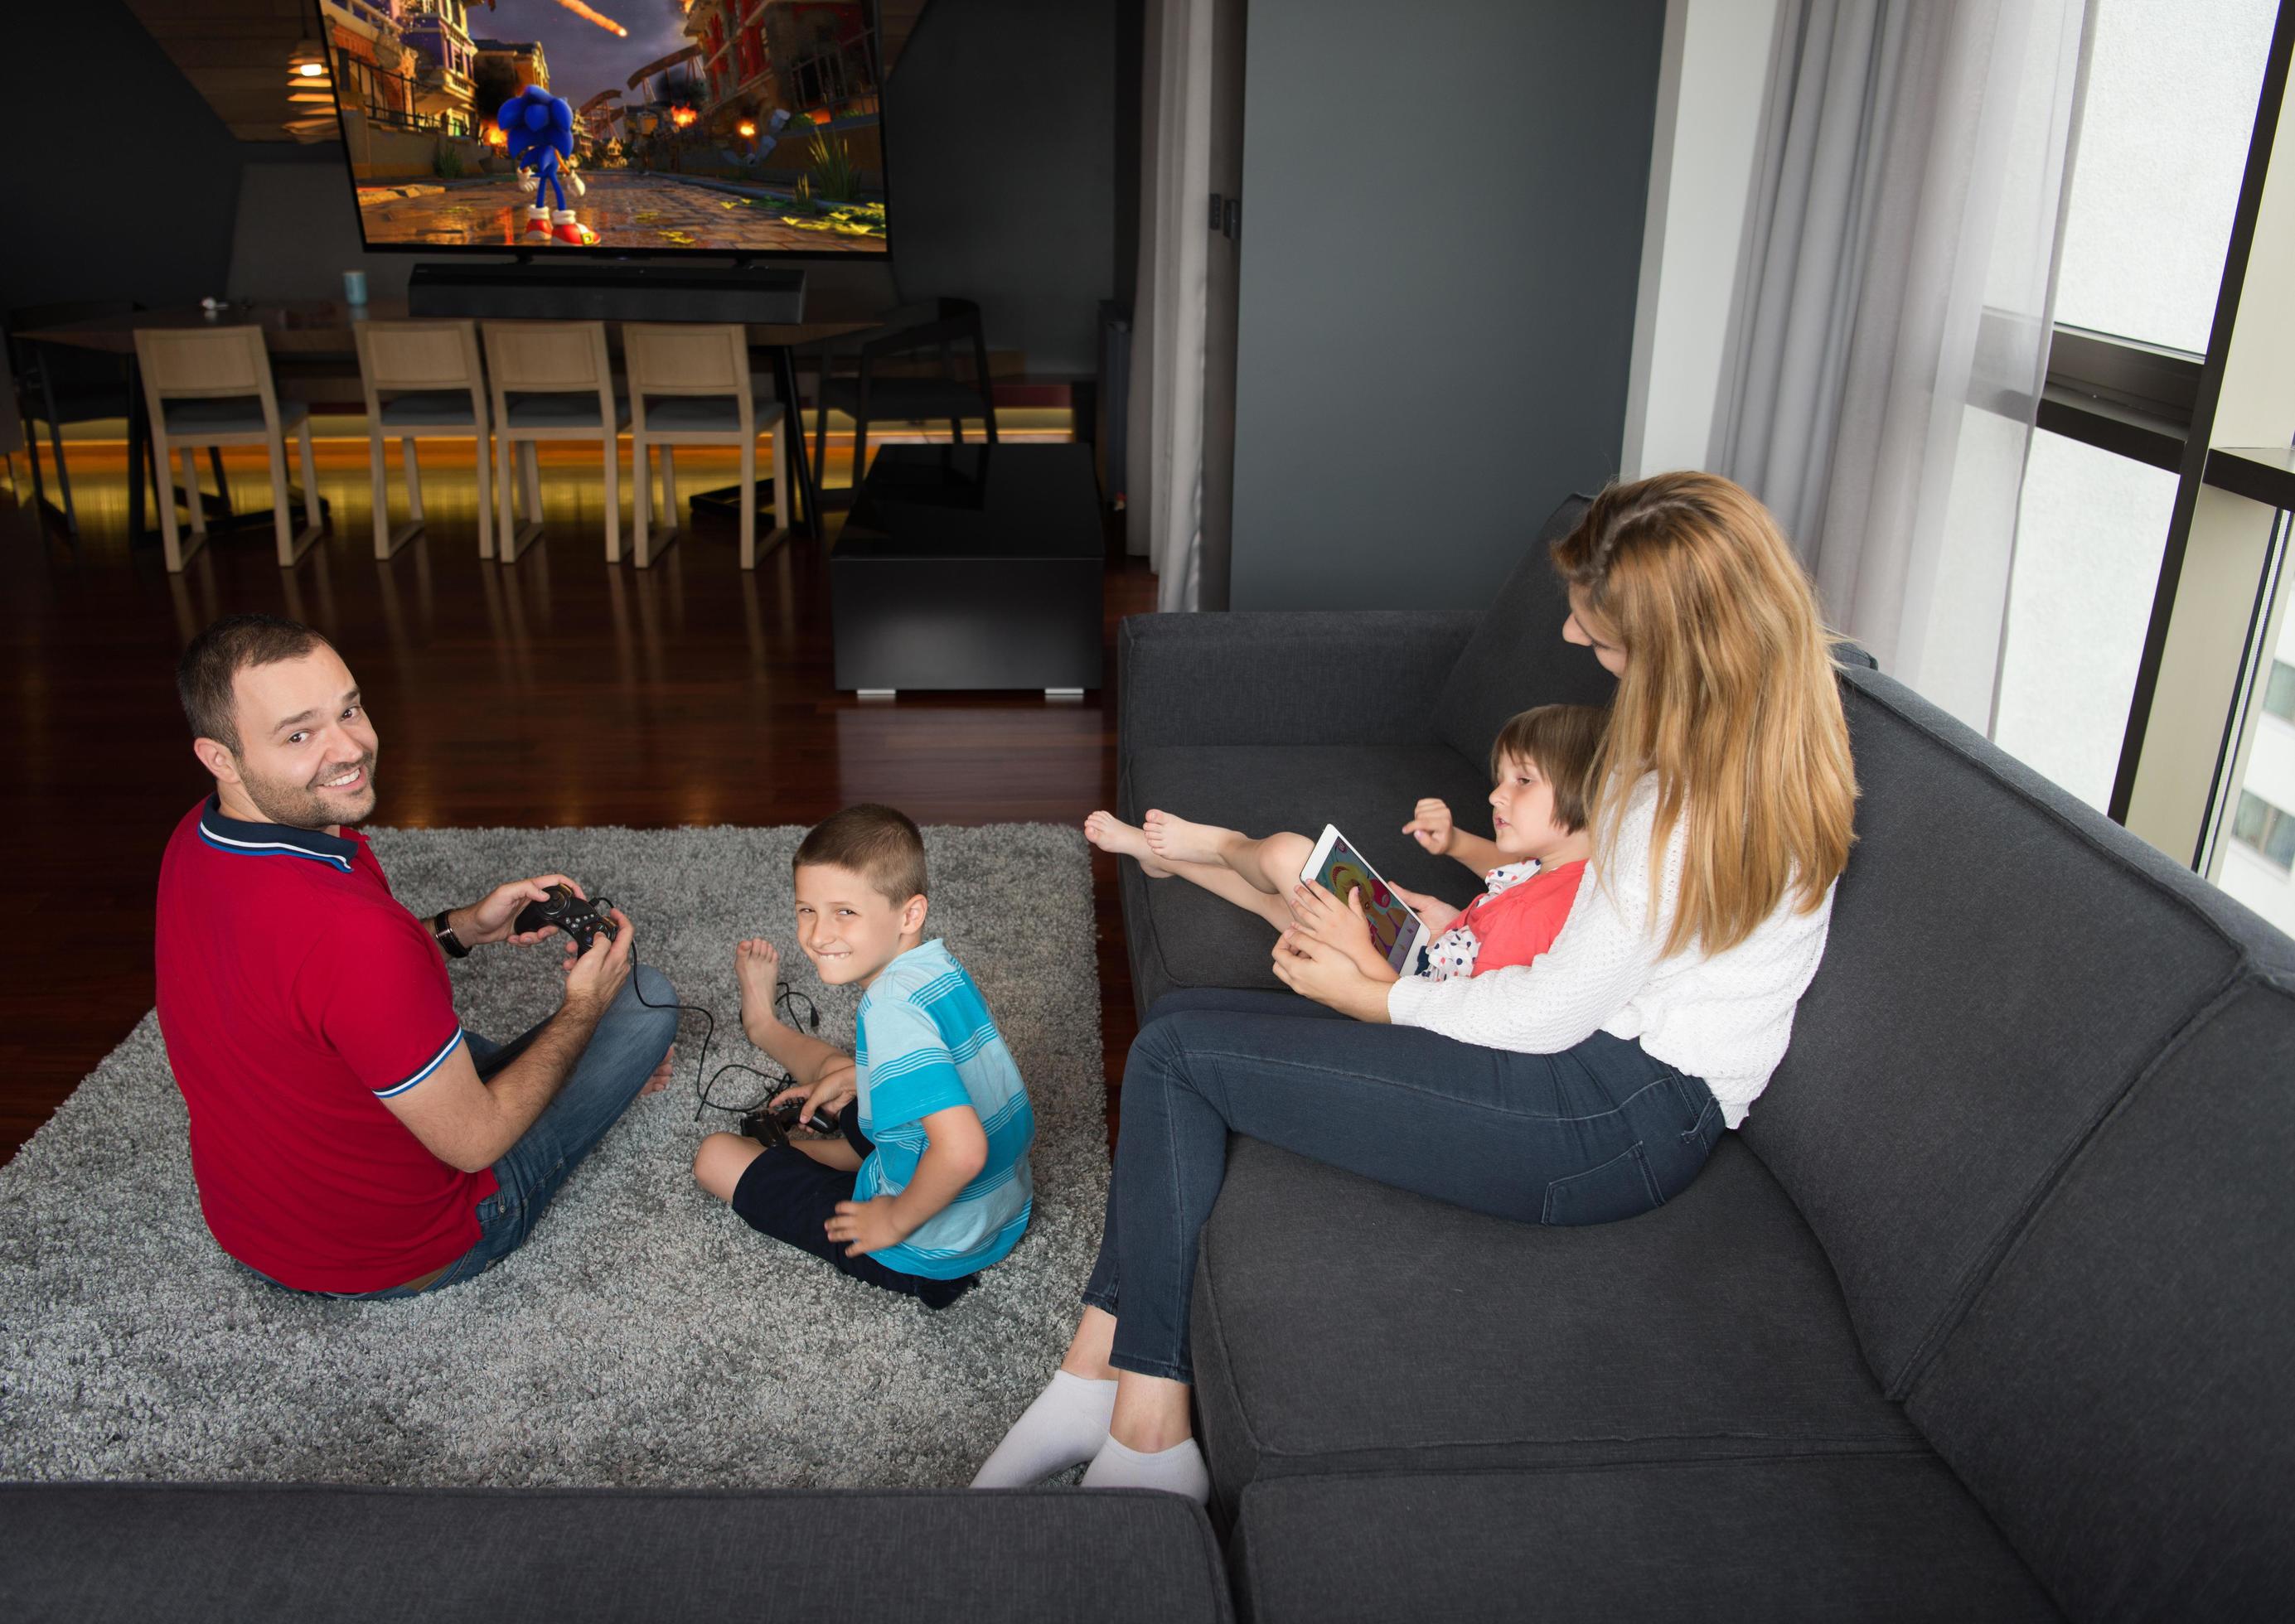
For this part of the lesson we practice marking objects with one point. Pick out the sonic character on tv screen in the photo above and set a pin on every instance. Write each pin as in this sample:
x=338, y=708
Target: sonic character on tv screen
x=540, y=128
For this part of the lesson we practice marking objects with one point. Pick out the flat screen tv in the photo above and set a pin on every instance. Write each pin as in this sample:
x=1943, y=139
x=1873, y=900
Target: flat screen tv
x=612, y=127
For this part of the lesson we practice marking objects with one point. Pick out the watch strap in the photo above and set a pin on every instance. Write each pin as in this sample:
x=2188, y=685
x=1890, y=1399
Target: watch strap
x=447, y=939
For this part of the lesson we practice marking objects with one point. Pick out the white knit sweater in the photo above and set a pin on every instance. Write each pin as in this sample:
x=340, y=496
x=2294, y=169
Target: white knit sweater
x=1726, y=1018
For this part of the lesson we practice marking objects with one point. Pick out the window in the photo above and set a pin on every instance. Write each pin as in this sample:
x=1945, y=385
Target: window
x=2279, y=691
x=2089, y=532
x=2151, y=563
x=2263, y=827
x=2170, y=105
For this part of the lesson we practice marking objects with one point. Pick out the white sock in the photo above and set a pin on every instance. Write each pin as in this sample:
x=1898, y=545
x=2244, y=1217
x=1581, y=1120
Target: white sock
x=1064, y=1427
x=1178, y=1470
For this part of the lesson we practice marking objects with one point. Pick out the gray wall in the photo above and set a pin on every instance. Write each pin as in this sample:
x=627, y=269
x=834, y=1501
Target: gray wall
x=1442, y=209
x=145, y=213
x=1000, y=130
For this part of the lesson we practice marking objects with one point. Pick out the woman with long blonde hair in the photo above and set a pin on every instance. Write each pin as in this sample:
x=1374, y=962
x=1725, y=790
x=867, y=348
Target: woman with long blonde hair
x=1588, y=1086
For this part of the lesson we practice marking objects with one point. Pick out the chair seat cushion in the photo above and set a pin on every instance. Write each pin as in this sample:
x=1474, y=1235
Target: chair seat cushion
x=1183, y=936
x=430, y=407
x=709, y=413
x=227, y=415
x=1876, y=1536
x=906, y=399
x=1341, y=1324
x=559, y=411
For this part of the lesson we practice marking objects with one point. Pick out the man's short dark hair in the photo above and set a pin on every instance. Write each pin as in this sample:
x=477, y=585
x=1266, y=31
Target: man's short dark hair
x=878, y=843
x=212, y=663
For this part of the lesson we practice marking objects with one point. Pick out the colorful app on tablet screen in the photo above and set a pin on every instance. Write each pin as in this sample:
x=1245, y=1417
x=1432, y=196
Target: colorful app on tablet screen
x=1343, y=871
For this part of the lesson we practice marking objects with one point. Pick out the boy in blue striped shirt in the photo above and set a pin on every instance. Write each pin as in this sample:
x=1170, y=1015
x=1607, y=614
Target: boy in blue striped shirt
x=928, y=1184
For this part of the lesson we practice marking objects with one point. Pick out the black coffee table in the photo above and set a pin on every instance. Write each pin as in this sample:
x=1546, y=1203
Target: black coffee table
x=970, y=567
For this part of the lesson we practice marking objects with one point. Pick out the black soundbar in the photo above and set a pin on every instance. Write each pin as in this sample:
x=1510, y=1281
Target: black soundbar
x=589, y=291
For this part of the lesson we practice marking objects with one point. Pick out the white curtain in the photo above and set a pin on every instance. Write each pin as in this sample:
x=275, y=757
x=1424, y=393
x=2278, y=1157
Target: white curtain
x=1163, y=455
x=1890, y=325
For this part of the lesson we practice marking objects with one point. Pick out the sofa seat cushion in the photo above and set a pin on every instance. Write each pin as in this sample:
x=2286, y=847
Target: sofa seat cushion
x=1825, y=1538
x=1341, y=1324
x=303, y=1553
x=1183, y=936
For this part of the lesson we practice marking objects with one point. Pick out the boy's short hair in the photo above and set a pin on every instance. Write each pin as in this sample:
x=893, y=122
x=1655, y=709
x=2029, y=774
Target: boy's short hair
x=205, y=675
x=881, y=844
x=1561, y=741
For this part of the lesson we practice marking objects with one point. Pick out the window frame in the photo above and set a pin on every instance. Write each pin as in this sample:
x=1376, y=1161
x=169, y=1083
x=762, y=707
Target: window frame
x=2159, y=405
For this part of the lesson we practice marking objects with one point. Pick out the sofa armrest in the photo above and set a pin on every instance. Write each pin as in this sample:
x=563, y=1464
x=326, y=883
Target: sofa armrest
x=1323, y=676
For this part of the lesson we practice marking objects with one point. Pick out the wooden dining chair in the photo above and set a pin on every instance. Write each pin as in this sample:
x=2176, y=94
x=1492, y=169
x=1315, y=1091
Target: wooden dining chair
x=550, y=380
x=423, y=378
x=211, y=386
x=690, y=385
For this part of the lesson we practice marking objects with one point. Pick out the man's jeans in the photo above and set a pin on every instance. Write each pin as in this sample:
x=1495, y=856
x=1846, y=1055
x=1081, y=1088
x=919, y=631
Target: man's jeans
x=629, y=1043
x=1598, y=1132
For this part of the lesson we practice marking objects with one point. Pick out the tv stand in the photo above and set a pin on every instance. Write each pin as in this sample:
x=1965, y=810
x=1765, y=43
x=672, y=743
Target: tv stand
x=577, y=287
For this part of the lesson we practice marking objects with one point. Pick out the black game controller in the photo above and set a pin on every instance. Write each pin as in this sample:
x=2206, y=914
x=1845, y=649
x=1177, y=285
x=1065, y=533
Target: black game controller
x=771, y=1124
x=582, y=920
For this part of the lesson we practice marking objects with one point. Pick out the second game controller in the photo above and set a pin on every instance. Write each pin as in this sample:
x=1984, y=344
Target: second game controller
x=771, y=1124
x=579, y=918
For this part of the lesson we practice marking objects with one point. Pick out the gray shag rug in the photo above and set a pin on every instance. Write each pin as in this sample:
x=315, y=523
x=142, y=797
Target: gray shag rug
x=643, y=1336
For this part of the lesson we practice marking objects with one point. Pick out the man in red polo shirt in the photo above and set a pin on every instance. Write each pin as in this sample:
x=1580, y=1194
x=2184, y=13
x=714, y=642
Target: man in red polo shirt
x=348, y=1135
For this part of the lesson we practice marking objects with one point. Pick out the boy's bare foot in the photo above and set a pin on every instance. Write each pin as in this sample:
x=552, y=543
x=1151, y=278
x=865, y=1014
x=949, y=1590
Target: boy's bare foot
x=1177, y=840
x=1112, y=834
x=757, y=966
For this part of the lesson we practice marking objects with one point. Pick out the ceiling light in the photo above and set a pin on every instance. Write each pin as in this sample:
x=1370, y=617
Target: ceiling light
x=310, y=93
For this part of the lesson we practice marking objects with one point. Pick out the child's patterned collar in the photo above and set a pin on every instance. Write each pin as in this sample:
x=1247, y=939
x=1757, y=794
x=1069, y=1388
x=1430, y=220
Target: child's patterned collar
x=1507, y=875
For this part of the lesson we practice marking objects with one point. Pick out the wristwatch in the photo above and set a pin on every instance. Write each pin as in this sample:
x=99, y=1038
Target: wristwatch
x=447, y=939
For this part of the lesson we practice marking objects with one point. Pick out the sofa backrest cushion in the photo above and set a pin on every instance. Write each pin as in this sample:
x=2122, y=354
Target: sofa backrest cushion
x=2118, y=1396
x=1516, y=657
x=2003, y=963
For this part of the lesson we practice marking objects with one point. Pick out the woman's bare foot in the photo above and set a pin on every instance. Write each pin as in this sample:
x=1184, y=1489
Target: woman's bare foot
x=757, y=966
x=1112, y=835
x=1177, y=840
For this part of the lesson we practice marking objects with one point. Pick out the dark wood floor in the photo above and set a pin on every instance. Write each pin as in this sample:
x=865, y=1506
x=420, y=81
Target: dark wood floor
x=555, y=690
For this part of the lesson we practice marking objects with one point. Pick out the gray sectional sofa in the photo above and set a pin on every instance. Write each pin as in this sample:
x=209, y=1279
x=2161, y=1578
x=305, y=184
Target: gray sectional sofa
x=1989, y=1312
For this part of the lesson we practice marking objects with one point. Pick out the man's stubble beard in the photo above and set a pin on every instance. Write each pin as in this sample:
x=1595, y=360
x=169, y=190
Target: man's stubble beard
x=301, y=807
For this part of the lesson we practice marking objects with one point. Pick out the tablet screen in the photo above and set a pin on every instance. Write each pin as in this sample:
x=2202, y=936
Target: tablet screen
x=1392, y=926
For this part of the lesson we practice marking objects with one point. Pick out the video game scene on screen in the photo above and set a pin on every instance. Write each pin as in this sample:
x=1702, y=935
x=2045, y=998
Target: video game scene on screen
x=722, y=126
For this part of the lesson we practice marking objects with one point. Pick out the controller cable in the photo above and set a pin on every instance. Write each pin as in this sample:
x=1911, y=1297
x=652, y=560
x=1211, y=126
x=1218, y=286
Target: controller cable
x=786, y=998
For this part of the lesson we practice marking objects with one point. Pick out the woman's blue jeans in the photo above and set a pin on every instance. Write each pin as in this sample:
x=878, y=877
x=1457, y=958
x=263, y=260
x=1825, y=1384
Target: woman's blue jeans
x=1598, y=1132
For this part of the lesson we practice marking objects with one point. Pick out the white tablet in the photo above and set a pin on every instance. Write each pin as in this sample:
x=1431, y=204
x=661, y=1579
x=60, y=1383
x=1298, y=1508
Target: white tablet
x=1342, y=870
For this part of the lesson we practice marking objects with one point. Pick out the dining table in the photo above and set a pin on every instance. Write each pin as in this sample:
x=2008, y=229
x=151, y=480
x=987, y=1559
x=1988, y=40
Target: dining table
x=316, y=336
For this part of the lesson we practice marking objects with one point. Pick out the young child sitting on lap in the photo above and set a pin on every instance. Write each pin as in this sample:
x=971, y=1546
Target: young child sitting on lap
x=929, y=1183
x=1541, y=764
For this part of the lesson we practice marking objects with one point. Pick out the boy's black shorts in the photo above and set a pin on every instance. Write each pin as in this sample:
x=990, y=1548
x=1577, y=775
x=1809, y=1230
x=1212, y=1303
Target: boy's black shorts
x=788, y=1196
